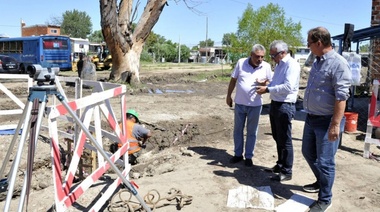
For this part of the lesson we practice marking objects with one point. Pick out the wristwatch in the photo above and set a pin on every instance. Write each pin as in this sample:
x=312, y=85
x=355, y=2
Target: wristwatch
x=267, y=90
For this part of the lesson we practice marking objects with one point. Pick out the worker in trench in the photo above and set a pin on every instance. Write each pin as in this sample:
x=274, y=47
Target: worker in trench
x=137, y=135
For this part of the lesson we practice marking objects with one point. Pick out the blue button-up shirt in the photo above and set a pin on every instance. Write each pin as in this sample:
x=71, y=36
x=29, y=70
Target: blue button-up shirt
x=329, y=80
x=285, y=83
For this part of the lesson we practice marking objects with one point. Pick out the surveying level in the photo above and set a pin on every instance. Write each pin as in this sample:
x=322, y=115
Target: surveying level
x=42, y=75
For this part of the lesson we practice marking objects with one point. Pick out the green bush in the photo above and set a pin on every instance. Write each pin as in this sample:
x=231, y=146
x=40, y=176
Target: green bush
x=146, y=56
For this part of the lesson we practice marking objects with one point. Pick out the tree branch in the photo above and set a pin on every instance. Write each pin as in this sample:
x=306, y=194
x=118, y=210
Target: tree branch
x=148, y=19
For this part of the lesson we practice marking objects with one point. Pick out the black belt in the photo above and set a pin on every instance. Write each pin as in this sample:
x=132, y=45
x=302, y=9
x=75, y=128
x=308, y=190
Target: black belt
x=317, y=116
x=275, y=102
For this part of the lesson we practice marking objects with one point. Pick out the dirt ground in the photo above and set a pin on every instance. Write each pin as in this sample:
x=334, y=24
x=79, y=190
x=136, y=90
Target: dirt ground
x=192, y=144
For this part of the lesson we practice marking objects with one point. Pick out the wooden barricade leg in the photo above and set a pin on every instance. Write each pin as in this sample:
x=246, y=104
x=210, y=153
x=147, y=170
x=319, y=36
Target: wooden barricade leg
x=87, y=164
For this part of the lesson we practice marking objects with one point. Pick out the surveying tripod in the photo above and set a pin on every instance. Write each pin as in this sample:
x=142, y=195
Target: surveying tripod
x=31, y=123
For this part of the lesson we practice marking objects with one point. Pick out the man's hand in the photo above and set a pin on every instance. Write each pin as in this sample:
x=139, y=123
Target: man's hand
x=142, y=144
x=261, y=89
x=229, y=101
x=333, y=132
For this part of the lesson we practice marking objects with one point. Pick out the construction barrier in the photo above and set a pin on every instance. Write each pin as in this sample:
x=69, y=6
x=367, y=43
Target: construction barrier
x=373, y=121
x=86, y=113
x=14, y=98
x=94, y=105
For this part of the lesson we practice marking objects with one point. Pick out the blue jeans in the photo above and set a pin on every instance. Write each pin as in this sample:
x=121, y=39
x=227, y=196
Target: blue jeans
x=281, y=115
x=250, y=115
x=319, y=152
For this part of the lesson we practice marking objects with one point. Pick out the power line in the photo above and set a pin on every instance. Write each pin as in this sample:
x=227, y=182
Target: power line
x=325, y=22
x=8, y=26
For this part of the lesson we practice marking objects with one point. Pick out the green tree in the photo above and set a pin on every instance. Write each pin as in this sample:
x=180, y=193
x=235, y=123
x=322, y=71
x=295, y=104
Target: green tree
x=153, y=40
x=96, y=37
x=195, y=48
x=168, y=51
x=364, y=47
x=76, y=24
x=262, y=26
x=157, y=50
x=185, y=53
x=159, y=47
x=227, y=38
x=209, y=43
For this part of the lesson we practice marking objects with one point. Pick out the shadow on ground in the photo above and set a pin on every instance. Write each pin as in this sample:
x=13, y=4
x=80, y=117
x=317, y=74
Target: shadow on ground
x=251, y=176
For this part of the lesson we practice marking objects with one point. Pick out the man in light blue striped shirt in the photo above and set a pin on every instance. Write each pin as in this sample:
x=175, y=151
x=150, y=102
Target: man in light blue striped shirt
x=325, y=99
x=283, y=90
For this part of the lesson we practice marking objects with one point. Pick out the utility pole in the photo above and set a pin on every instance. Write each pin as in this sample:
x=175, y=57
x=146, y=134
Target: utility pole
x=179, y=49
x=206, y=38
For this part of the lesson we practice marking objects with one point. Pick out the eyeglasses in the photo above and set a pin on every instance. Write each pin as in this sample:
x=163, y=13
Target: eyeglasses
x=309, y=43
x=274, y=55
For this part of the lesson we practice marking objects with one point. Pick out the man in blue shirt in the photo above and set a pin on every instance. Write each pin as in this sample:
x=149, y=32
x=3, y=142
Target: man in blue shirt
x=283, y=90
x=324, y=102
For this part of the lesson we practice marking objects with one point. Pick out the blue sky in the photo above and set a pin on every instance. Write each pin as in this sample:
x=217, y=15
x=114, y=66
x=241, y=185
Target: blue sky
x=179, y=24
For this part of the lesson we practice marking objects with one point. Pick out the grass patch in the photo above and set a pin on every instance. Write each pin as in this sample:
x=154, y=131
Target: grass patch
x=148, y=66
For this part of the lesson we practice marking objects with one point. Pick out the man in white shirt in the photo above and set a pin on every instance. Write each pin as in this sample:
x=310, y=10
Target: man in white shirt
x=248, y=104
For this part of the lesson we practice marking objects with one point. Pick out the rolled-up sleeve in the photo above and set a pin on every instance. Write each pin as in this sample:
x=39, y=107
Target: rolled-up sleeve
x=342, y=80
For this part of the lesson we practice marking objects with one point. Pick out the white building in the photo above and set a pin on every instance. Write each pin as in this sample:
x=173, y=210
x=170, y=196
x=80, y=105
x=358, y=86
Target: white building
x=79, y=46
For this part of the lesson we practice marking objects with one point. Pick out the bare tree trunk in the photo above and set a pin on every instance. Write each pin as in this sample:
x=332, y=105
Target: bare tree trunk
x=125, y=43
x=126, y=67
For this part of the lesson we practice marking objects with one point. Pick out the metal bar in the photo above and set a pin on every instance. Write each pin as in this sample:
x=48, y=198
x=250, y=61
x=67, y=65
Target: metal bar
x=16, y=163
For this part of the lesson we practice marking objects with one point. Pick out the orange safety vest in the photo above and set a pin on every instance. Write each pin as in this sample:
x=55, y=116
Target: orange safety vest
x=134, y=145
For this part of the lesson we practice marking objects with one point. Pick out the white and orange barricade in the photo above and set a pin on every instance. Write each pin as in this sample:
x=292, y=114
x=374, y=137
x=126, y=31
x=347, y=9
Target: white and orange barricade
x=88, y=114
x=373, y=120
x=93, y=106
x=18, y=103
